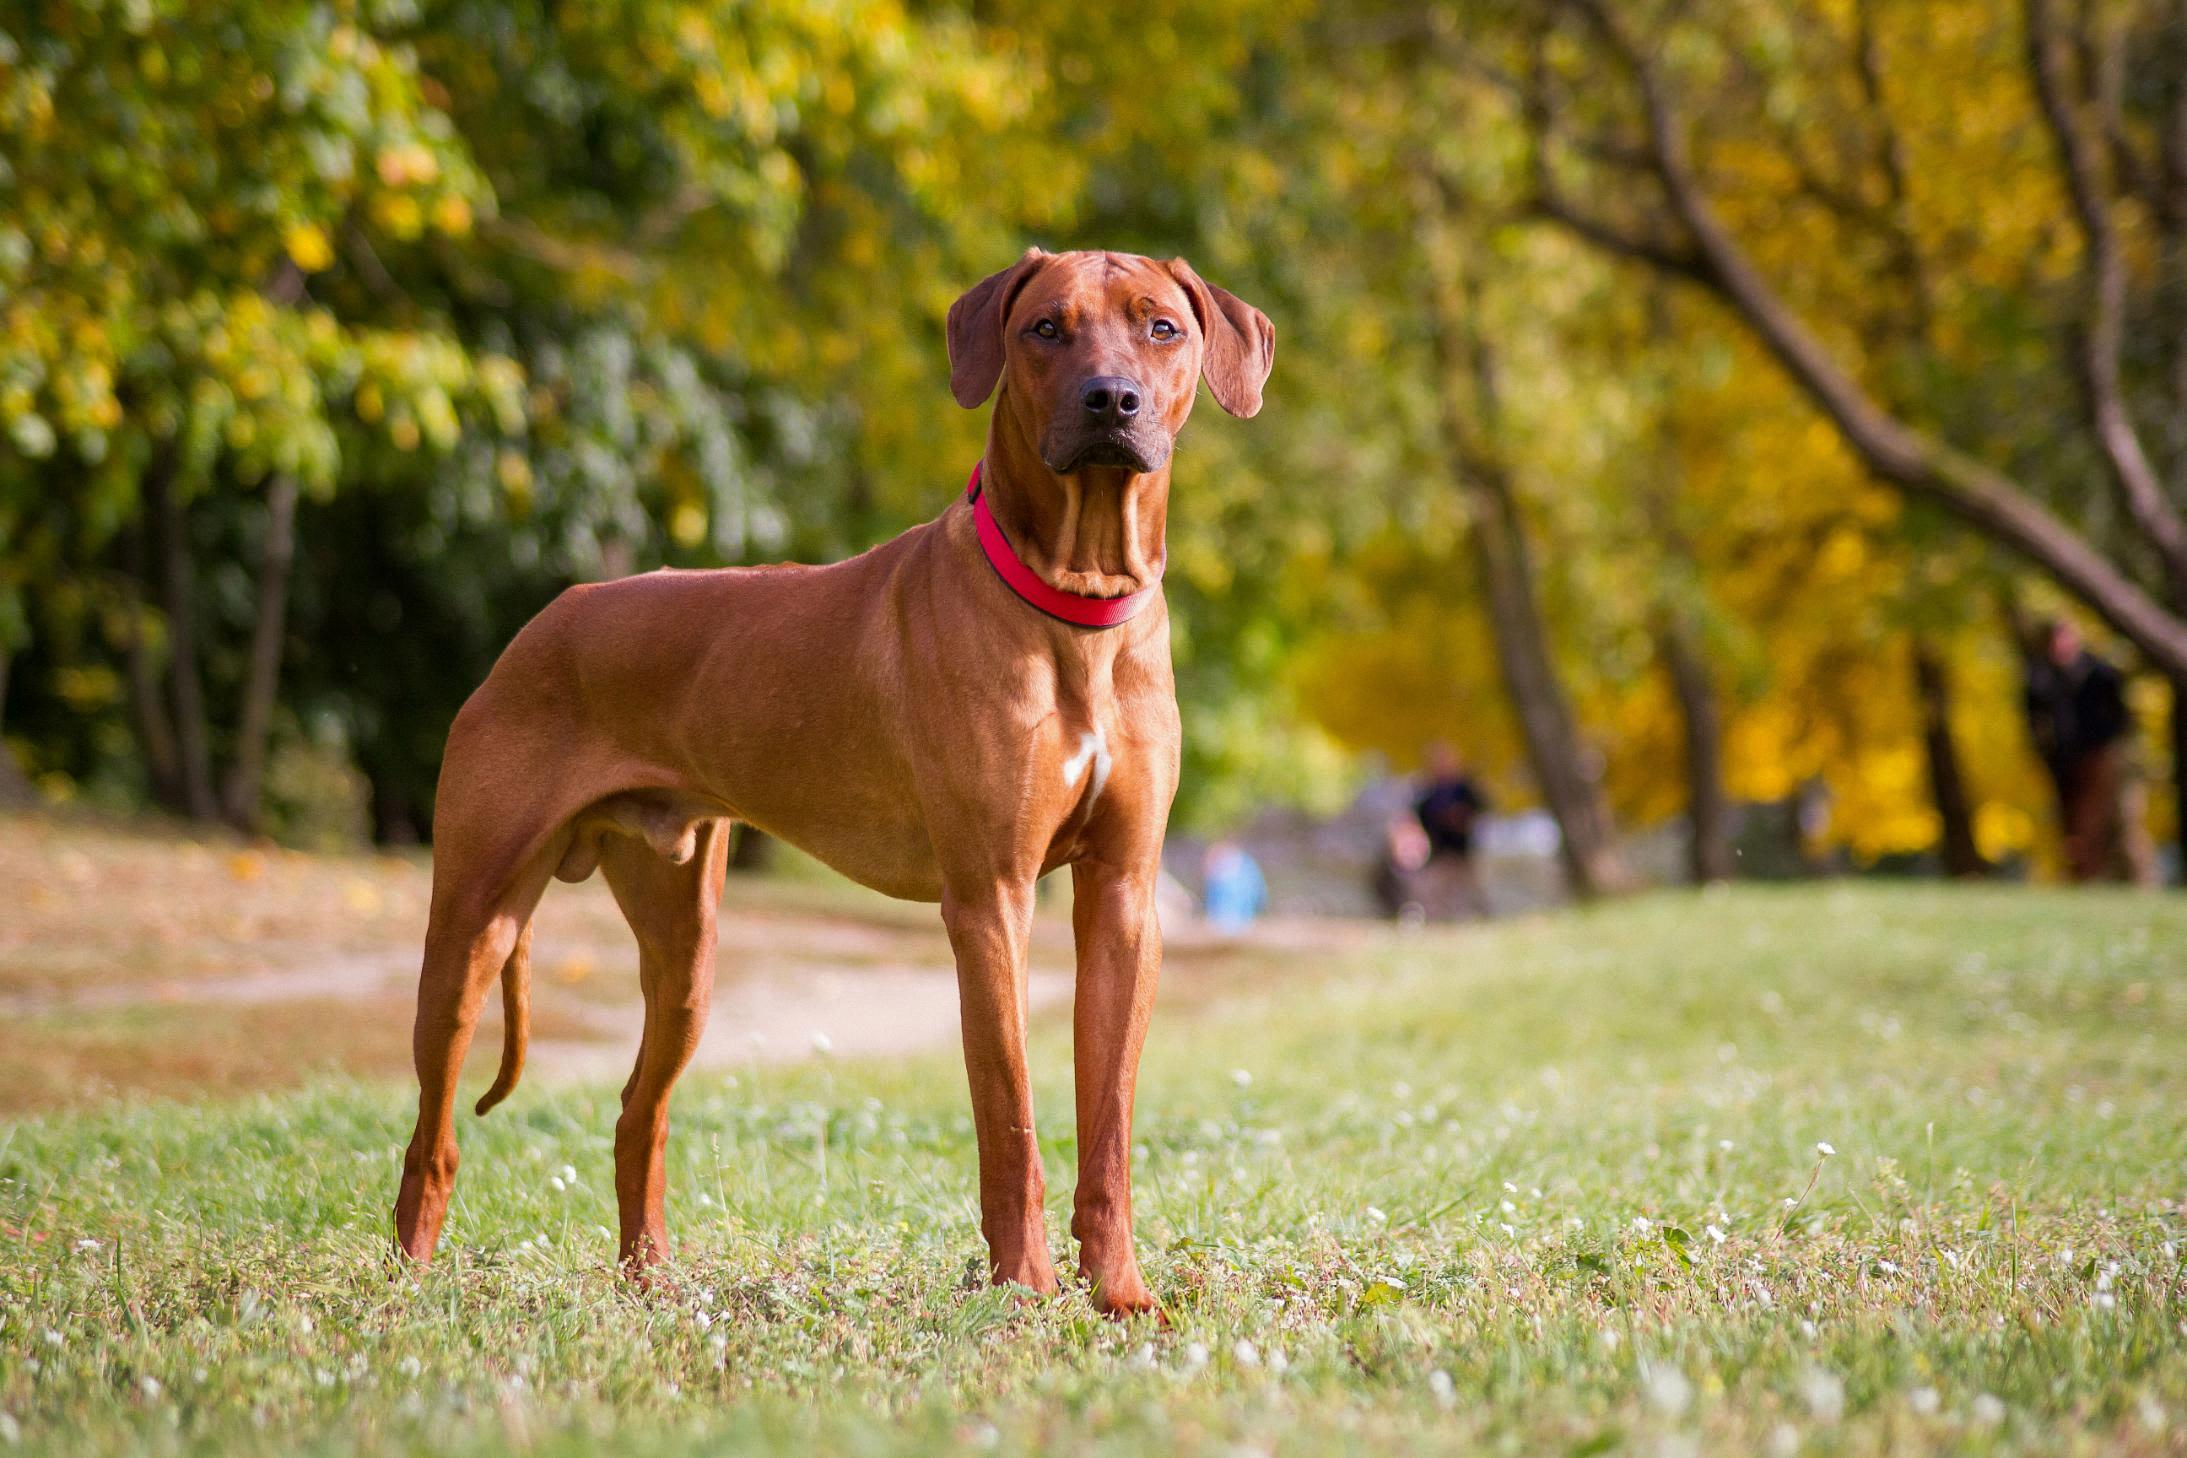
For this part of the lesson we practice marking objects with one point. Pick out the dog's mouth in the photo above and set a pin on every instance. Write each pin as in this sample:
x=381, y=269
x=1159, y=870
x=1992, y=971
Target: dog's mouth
x=1114, y=449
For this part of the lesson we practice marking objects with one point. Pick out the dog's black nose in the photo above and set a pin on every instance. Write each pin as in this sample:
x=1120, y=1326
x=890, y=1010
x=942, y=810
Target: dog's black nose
x=1110, y=397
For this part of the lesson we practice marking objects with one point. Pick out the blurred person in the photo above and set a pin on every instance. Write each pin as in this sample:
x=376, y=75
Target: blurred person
x=1395, y=880
x=1234, y=892
x=2078, y=718
x=1449, y=808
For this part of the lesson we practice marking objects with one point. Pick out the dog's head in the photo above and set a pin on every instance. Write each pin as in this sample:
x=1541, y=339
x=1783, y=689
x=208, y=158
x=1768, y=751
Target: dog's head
x=1106, y=350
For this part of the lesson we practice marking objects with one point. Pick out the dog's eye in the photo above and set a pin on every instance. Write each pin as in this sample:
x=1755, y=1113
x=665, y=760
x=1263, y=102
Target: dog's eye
x=1165, y=331
x=1046, y=329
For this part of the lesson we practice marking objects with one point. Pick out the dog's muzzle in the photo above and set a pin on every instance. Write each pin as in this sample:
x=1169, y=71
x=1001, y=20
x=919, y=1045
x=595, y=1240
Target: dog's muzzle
x=1138, y=451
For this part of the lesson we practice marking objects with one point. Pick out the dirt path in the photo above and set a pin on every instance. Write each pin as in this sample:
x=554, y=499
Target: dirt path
x=136, y=961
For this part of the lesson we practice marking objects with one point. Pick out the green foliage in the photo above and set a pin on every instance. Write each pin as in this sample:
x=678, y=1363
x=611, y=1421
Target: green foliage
x=524, y=294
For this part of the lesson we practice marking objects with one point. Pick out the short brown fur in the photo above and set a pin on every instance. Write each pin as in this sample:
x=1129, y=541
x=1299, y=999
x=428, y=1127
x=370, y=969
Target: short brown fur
x=903, y=717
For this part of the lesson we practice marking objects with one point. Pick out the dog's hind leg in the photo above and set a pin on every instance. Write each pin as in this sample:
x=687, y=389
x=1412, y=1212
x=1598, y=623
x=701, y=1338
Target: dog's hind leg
x=473, y=931
x=670, y=907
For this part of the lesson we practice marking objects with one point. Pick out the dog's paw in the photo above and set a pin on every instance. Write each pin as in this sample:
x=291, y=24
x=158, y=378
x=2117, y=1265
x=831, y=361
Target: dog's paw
x=1125, y=1297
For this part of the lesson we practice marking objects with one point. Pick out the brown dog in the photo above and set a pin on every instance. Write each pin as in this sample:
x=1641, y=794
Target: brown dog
x=908, y=717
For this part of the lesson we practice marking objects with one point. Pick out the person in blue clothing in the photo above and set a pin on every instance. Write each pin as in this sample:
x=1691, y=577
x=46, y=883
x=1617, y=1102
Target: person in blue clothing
x=1234, y=891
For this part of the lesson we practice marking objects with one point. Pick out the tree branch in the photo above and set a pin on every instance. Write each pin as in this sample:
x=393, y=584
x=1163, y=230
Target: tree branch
x=1894, y=451
x=1549, y=202
x=1680, y=262
x=2104, y=273
x=1897, y=175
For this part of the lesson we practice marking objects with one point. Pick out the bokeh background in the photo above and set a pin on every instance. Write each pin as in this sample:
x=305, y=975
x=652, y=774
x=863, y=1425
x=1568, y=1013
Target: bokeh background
x=1675, y=406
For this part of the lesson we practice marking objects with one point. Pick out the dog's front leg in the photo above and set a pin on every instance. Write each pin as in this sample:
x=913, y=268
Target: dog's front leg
x=1119, y=959
x=989, y=926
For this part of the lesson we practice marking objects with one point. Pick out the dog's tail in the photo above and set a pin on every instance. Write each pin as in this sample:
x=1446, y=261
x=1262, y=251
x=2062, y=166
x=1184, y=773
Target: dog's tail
x=516, y=1019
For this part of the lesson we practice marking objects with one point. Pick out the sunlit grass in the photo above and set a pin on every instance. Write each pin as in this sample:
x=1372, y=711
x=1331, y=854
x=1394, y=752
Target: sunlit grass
x=1840, y=1170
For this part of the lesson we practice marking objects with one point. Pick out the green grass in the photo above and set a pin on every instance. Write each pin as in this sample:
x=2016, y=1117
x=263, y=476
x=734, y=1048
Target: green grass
x=1549, y=1161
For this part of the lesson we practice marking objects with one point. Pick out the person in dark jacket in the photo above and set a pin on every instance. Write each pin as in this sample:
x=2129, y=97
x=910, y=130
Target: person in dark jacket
x=1449, y=809
x=2078, y=717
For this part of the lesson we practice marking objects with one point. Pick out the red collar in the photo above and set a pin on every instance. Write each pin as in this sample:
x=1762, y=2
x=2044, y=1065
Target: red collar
x=1070, y=607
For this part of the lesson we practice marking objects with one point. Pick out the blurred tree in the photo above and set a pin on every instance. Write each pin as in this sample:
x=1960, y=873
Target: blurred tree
x=335, y=338
x=500, y=296
x=1563, y=768
x=1834, y=166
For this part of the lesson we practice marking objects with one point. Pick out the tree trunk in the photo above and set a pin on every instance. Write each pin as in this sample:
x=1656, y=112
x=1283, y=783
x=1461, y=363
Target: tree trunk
x=268, y=632
x=1573, y=793
x=1708, y=809
x=155, y=732
x=394, y=820
x=1569, y=785
x=1963, y=857
x=15, y=788
x=752, y=850
x=194, y=766
x=2179, y=777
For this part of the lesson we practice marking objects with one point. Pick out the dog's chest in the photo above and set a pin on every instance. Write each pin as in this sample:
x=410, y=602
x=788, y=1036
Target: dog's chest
x=1087, y=768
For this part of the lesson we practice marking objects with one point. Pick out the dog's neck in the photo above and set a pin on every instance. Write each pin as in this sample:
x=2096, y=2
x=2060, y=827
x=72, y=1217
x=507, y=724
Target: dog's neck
x=1098, y=532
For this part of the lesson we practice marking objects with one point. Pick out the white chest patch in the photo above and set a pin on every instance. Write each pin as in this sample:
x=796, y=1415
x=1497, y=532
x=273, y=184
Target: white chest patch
x=1093, y=749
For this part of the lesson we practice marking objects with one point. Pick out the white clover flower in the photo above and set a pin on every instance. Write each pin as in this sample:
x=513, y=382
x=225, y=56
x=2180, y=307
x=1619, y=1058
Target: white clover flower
x=1665, y=1388
x=1279, y=1363
x=1824, y=1393
x=149, y=1386
x=1643, y=1224
x=1441, y=1388
x=569, y=1173
x=54, y=1337
x=87, y=1243
x=1376, y=1215
x=1241, y=1078
x=410, y=1367
x=1195, y=1356
x=11, y=1431
x=1825, y=1148
x=1245, y=1353
x=556, y=1184
x=1987, y=1410
x=1924, y=1401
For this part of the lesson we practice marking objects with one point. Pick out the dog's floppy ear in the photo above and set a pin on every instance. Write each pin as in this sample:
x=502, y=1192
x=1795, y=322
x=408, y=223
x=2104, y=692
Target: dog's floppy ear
x=975, y=330
x=1241, y=343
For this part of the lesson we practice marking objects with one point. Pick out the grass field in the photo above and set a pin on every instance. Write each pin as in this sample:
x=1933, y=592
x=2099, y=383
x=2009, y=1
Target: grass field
x=1562, y=1186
